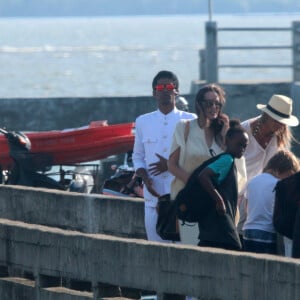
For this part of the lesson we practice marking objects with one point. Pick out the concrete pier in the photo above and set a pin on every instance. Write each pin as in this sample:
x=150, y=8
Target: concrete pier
x=48, y=262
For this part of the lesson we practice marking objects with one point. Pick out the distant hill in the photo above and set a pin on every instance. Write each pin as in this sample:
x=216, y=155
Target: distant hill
x=36, y=8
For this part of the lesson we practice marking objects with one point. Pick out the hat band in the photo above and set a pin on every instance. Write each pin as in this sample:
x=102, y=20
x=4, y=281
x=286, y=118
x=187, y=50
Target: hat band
x=280, y=114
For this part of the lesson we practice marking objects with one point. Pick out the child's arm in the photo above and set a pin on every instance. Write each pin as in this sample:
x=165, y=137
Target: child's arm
x=205, y=179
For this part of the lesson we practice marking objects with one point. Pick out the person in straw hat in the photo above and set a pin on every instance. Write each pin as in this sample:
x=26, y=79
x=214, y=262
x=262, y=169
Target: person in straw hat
x=268, y=133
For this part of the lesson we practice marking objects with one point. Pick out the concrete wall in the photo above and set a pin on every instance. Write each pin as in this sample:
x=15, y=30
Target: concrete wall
x=90, y=213
x=55, y=257
x=60, y=113
x=187, y=270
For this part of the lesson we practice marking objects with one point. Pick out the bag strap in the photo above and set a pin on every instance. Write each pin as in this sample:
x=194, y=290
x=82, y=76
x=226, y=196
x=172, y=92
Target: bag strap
x=182, y=155
x=186, y=130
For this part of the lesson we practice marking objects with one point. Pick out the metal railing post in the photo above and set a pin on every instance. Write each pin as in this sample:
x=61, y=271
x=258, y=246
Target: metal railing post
x=296, y=50
x=211, y=55
x=202, y=65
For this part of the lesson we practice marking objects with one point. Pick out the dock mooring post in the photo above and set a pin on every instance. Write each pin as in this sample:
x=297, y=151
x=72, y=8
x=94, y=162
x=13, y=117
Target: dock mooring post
x=211, y=55
x=296, y=50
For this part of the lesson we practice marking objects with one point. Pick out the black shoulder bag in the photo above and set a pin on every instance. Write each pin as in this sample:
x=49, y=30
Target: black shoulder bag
x=193, y=202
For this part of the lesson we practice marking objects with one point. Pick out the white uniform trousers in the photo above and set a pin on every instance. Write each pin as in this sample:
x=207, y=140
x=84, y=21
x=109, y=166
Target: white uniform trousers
x=150, y=225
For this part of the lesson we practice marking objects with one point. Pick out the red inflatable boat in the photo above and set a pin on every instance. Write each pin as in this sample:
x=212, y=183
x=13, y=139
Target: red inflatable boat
x=95, y=141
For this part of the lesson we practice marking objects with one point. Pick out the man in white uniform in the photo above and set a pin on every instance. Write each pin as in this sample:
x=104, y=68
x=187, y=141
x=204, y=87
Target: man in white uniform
x=153, y=137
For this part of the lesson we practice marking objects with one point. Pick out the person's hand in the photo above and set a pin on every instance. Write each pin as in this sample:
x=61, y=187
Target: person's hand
x=148, y=183
x=220, y=207
x=225, y=121
x=138, y=190
x=158, y=167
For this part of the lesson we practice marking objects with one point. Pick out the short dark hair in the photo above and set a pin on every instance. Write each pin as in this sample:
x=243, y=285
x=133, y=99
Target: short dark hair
x=234, y=128
x=165, y=74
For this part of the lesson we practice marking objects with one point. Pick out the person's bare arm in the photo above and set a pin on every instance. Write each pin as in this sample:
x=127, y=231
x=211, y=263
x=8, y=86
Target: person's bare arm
x=205, y=179
x=225, y=121
x=175, y=169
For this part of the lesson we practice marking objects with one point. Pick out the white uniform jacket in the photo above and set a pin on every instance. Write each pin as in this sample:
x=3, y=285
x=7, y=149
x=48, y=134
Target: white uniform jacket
x=154, y=133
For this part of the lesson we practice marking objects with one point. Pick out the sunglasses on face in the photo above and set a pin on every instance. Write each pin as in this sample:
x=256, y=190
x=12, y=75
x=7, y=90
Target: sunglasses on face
x=168, y=87
x=209, y=104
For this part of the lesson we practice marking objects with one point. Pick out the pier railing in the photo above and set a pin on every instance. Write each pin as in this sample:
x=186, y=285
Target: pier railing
x=209, y=57
x=62, y=246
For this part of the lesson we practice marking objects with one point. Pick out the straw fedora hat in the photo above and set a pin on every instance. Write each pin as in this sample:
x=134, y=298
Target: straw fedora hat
x=280, y=108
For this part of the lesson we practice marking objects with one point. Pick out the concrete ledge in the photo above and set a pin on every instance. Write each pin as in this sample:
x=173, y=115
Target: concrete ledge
x=166, y=268
x=16, y=288
x=61, y=293
x=83, y=212
x=19, y=288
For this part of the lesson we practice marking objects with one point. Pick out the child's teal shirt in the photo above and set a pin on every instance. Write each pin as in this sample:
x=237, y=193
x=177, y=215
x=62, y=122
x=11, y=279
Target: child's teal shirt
x=221, y=167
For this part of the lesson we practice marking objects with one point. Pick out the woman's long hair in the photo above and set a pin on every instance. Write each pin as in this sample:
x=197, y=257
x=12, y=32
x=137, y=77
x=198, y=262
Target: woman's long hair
x=216, y=124
x=284, y=135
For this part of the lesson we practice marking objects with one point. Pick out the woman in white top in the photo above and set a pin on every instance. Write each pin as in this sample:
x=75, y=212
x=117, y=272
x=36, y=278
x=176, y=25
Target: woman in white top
x=196, y=141
x=268, y=133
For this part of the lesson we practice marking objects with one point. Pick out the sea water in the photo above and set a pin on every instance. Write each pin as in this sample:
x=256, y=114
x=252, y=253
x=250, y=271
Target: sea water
x=119, y=56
